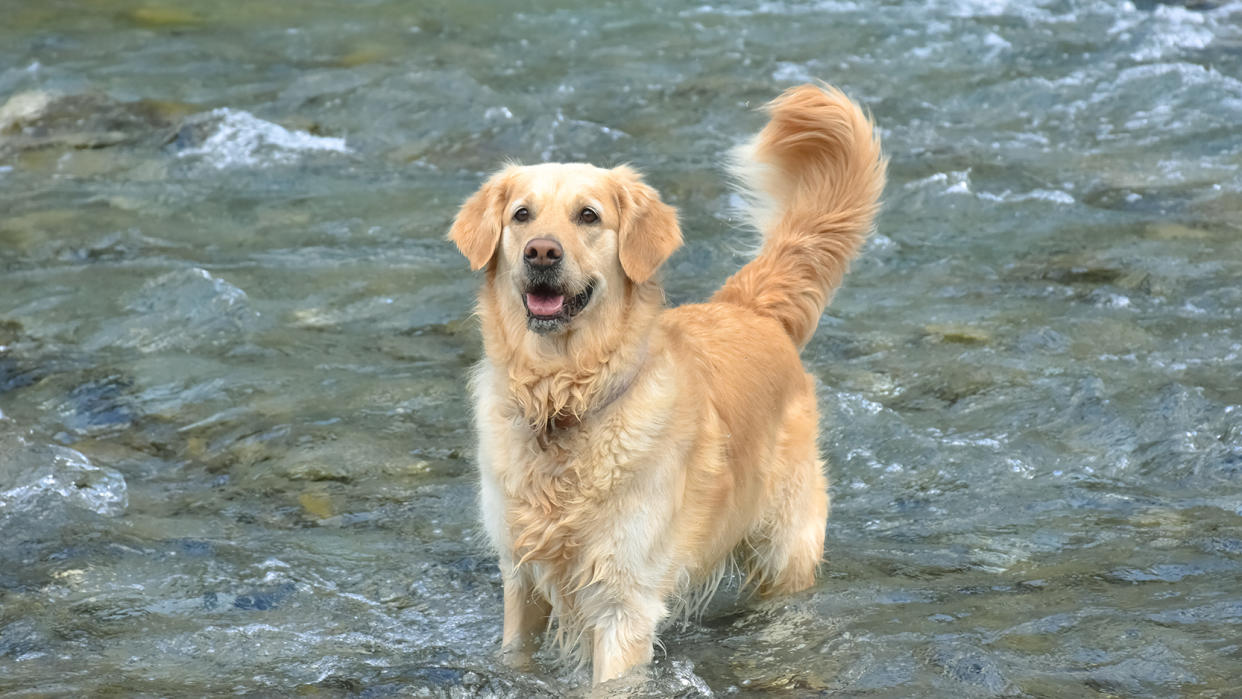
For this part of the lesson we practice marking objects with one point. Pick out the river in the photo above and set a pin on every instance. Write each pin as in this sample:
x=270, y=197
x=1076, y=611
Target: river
x=235, y=452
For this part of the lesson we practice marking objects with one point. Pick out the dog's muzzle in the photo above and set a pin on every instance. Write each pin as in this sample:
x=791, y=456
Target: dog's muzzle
x=549, y=304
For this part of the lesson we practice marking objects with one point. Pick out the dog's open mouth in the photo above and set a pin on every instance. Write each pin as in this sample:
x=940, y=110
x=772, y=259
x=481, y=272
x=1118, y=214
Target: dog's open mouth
x=548, y=308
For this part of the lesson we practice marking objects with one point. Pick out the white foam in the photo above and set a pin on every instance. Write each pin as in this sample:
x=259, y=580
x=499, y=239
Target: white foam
x=1111, y=300
x=501, y=113
x=775, y=8
x=957, y=181
x=1166, y=30
x=241, y=139
x=1055, y=196
x=792, y=72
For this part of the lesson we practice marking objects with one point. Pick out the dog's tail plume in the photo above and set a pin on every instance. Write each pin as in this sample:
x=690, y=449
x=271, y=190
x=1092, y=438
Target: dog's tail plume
x=813, y=178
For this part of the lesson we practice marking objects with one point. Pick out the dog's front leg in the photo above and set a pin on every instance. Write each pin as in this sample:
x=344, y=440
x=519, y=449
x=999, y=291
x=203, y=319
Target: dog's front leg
x=526, y=617
x=624, y=637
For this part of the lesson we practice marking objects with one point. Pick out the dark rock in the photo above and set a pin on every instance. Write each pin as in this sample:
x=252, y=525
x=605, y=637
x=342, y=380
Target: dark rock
x=98, y=405
x=193, y=547
x=31, y=120
x=969, y=665
x=19, y=638
x=264, y=600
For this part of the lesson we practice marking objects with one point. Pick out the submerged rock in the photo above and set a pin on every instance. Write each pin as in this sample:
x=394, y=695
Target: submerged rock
x=221, y=138
x=98, y=405
x=263, y=600
x=32, y=120
x=958, y=333
x=317, y=505
x=970, y=666
x=15, y=371
x=183, y=309
x=30, y=472
x=44, y=488
x=163, y=17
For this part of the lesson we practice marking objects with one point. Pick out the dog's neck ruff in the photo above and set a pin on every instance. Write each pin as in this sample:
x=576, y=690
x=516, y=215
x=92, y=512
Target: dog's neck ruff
x=563, y=421
x=551, y=383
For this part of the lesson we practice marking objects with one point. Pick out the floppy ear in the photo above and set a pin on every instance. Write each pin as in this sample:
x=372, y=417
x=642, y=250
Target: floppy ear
x=476, y=230
x=648, y=232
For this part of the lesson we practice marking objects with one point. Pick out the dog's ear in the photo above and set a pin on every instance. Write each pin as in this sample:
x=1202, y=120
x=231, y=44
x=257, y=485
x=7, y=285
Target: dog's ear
x=648, y=232
x=476, y=230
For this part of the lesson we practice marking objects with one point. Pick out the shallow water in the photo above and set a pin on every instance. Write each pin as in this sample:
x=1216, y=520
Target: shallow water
x=234, y=452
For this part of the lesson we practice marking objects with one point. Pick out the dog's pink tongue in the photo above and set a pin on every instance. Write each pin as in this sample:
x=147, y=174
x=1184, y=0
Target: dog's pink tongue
x=545, y=305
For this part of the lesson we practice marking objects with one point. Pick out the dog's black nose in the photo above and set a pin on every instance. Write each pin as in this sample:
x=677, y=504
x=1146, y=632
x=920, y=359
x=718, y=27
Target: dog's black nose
x=543, y=252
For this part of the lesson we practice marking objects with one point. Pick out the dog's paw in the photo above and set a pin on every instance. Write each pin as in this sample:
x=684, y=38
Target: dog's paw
x=516, y=658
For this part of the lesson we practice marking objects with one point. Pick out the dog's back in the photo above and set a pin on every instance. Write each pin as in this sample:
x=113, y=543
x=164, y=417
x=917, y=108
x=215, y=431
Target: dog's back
x=813, y=178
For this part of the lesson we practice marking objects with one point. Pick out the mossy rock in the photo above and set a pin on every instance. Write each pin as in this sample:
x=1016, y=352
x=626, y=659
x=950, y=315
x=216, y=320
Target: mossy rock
x=958, y=333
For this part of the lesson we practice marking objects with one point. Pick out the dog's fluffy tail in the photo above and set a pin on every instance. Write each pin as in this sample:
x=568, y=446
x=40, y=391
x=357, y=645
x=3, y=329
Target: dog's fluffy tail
x=812, y=179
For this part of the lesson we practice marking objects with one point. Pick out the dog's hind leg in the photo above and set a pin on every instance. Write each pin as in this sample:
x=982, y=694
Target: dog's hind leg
x=787, y=545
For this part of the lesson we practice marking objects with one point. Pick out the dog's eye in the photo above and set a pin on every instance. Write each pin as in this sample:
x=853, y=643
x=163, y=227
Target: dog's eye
x=521, y=215
x=588, y=216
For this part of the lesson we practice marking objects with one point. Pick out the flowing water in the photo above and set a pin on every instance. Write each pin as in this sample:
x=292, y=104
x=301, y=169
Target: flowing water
x=234, y=443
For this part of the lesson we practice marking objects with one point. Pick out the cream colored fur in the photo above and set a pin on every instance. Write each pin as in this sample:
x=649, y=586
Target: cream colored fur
x=625, y=459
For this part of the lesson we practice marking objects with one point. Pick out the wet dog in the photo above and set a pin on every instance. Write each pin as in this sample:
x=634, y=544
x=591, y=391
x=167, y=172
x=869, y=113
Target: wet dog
x=628, y=452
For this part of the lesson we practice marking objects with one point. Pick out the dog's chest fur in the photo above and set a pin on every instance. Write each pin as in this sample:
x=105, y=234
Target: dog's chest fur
x=564, y=479
x=561, y=496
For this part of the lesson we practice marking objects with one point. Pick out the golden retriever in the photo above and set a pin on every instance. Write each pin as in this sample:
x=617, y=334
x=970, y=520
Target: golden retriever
x=628, y=452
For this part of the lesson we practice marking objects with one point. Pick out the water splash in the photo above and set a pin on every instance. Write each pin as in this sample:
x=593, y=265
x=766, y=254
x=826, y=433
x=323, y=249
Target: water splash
x=238, y=139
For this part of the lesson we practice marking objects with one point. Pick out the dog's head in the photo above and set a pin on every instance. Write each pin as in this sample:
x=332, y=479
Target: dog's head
x=563, y=239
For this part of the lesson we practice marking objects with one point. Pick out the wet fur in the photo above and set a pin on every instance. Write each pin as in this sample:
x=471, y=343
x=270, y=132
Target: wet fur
x=626, y=461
